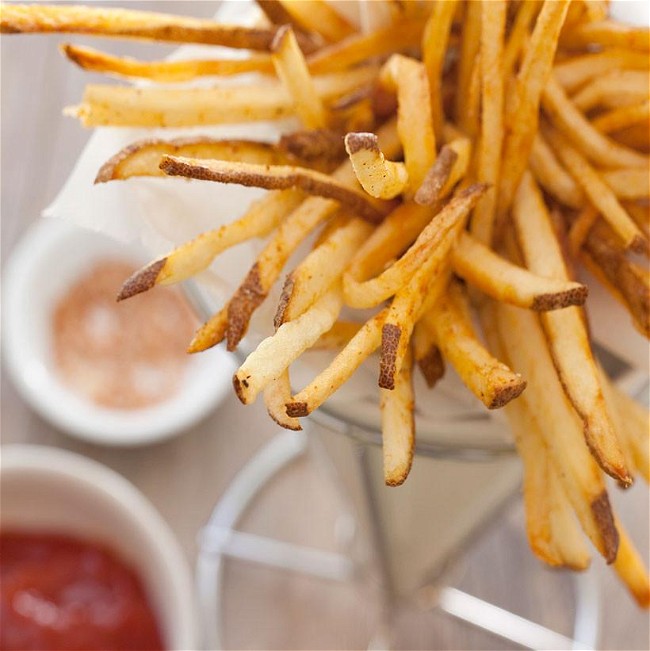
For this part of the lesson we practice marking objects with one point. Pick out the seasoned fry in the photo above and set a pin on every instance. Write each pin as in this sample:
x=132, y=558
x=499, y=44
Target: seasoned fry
x=613, y=90
x=524, y=344
x=598, y=193
x=566, y=331
x=621, y=118
x=269, y=360
x=522, y=109
x=426, y=353
x=518, y=35
x=437, y=178
x=368, y=293
x=466, y=109
x=163, y=71
x=277, y=177
x=311, y=278
x=359, y=348
x=508, y=283
x=379, y=177
x=196, y=255
x=421, y=291
x=398, y=426
x=491, y=381
x=578, y=70
x=598, y=148
x=291, y=68
x=493, y=24
x=338, y=336
x=434, y=46
x=180, y=107
x=316, y=146
x=143, y=158
x=408, y=78
x=318, y=16
x=127, y=23
x=609, y=34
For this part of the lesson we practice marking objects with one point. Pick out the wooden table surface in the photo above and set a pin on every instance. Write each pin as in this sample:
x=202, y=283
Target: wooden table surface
x=184, y=477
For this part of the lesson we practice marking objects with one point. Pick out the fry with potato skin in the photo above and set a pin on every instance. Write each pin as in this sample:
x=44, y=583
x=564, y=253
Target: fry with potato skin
x=566, y=331
x=276, y=394
x=127, y=23
x=426, y=353
x=398, y=426
x=491, y=381
x=317, y=16
x=163, y=71
x=437, y=178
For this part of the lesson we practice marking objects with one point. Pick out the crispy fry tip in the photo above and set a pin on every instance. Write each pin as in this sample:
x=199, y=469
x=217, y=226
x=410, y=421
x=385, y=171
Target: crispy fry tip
x=355, y=142
x=602, y=512
x=546, y=302
x=238, y=385
x=507, y=392
x=142, y=280
x=297, y=409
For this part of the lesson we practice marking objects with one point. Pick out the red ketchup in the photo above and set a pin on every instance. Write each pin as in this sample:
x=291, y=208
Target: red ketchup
x=59, y=593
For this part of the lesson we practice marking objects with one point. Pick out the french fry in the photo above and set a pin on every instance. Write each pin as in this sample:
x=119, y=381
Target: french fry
x=196, y=255
x=613, y=90
x=621, y=118
x=369, y=293
x=566, y=331
x=277, y=14
x=421, y=291
x=467, y=95
x=408, y=78
x=519, y=33
x=276, y=177
x=578, y=70
x=491, y=381
x=550, y=174
x=437, y=178
x=434, y=46
x=522, y=109
x=358, y=349
x=598, y=192
x=163, y=71
x=398, y=36
x=426, y=353
x=338, y=336
x=311, y=278
x=127, y=23
x=506, y=282
x=398, y=426
x=379, y=177
x=628, y=184
x=525, y=347
x=596, y=147
x=318, y=16
x=493, y=24
x=631, y=570
x=271, y=357
x=316, y=146
x=580, y=228
x=142, y=158
x=276, y=395
x=122, y=106
x=291, y=67
x=607, y=33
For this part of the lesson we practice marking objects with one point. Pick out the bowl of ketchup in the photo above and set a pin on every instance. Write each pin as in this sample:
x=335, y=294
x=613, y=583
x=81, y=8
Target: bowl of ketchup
x=86, y=562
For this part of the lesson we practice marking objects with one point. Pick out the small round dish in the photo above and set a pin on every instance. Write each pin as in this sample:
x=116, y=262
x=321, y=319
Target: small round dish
x=53, y=491
x=51, y=256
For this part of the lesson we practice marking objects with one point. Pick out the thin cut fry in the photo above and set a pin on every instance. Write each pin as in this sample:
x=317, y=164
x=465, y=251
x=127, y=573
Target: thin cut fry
x=379, y=177
x=126, y=23
x=271, y=357
x=509, y=283
x=598, y=148
x=317, y=146
x=631, y=570
x=566, y=331
x=414, y=124
x=491, y=381
x=437, y=178
x=434, y=46
x=360, y=347
x=493, y=24
x=163, y=71
x=623, y=117
x=466, y=101
x=599, y=193
x=609, y=34
x=123, y=106
x=196, y=255
x=581, y=227
x=618, y=88
x=398, y=426
x=291, y=68
x=338, y=336
x=276, y=177
x=628, y=184
x=142, y=158
x=276, y=394
x=318, y=16
x=427, y=354
x=518, y=35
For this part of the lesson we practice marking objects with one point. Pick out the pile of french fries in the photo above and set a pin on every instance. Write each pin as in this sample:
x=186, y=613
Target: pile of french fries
x=457, y=161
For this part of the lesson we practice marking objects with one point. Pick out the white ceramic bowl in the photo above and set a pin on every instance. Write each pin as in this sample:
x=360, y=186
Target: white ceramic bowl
x=51, y=490
x=45, y=262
